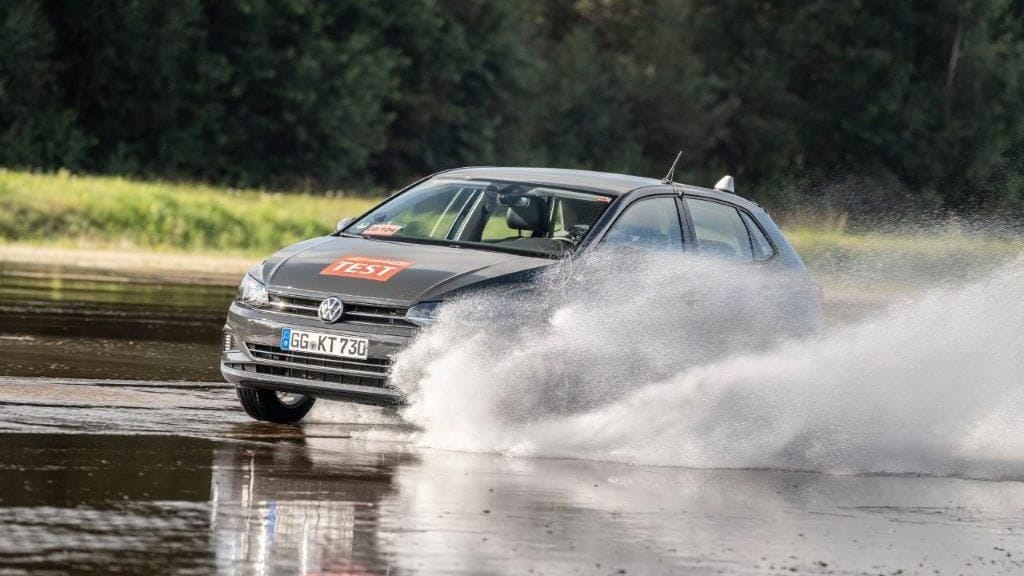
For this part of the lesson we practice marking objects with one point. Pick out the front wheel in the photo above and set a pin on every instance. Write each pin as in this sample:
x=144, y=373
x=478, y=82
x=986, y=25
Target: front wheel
x=271, y=406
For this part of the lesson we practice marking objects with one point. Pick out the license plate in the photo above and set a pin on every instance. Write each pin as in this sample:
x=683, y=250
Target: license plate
x=326, y=344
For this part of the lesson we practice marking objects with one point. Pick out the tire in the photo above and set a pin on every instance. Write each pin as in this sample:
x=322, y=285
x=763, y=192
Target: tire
x=267, y=406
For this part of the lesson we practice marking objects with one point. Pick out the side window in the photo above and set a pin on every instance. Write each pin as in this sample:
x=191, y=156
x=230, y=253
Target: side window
x=719, y=230
x=763, y=249
x=649, y=224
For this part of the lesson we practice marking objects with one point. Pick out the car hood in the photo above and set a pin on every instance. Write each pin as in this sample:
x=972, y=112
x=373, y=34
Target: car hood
x=403, y=272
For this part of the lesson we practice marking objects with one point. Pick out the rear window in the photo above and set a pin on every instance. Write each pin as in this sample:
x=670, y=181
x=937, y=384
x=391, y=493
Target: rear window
x=719, y=230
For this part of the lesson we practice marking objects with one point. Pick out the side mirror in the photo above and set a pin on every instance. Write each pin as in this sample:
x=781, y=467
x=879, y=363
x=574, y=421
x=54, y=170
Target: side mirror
x=343, y=223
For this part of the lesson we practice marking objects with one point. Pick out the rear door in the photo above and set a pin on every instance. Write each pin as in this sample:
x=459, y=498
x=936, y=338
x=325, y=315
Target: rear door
x=728, y=232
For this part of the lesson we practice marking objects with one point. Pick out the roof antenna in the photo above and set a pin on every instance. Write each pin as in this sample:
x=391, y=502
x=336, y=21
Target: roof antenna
x=672, y=171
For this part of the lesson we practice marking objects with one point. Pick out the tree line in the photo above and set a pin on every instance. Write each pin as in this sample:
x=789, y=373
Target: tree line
x=861, y=105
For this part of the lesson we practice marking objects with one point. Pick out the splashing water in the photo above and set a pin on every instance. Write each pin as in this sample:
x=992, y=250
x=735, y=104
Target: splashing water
x=629, y=371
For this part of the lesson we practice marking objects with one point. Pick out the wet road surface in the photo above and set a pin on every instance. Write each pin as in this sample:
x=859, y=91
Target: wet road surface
x=172, y=479
x=121, y=453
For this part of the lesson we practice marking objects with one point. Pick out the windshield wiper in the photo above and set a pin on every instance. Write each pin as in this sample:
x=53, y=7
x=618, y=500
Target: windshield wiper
x=414, y=240
x=462, y=245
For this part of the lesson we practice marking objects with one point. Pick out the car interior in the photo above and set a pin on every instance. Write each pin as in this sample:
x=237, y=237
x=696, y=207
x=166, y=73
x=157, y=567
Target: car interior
x=513, y=215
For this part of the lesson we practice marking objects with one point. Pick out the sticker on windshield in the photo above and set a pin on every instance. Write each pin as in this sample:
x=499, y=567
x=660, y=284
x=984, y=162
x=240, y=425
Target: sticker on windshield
x=375, y=269
x=382, y=230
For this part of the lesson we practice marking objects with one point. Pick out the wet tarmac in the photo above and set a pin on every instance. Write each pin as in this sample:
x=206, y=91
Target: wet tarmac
x=120, y=452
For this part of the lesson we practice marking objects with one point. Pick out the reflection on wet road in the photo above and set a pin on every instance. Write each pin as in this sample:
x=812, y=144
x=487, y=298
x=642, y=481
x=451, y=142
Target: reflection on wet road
x=97, y=324
x=149, y=484
x=120, y=452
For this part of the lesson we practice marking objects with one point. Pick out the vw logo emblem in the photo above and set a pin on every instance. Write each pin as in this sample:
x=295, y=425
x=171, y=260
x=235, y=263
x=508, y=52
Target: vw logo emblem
x=330, y=310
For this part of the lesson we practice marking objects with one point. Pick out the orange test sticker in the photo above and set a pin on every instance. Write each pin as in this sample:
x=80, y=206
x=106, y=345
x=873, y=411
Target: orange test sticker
x=382, y=230
x=375, y=269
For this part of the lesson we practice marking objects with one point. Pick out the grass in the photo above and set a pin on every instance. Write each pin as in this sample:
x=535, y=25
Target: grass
x=64, y=210
x=70, y=211
x=914, y=256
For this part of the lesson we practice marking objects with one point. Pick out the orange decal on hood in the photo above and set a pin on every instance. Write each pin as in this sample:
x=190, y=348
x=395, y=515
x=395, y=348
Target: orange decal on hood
x=366, y=268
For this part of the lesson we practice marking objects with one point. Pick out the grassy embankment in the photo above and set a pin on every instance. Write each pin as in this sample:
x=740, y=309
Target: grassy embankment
x=113, y=213
x=44, y=212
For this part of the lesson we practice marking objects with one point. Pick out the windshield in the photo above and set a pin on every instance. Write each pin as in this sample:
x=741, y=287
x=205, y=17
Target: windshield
x=510, y=216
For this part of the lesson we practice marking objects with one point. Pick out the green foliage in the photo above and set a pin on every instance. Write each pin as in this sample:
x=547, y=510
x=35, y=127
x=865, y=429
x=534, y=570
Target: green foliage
x=837, y=89
x=35, y=128
x=282, y=93
x=861, y=106
x=464, y=70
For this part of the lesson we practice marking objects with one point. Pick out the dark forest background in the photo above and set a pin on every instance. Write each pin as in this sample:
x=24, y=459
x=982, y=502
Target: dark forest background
x=862, y=105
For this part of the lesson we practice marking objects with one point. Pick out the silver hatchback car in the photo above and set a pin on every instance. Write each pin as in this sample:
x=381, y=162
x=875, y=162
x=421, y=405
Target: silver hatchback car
x=324, y=318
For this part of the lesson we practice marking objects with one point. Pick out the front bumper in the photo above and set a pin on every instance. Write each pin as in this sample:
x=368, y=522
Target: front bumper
x=256, y=361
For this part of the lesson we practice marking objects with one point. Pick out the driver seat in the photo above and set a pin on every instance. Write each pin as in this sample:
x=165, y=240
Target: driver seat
x=530, y=217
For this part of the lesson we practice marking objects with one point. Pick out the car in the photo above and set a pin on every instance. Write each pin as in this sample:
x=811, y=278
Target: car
x=324, y=318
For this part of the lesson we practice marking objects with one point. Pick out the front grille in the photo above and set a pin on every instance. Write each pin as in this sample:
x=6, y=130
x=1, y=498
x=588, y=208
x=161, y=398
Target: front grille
x=355, y=313
x=372, y=366
x=370, y=372
x=294, y=305
x=314, y=375
x=376, y=315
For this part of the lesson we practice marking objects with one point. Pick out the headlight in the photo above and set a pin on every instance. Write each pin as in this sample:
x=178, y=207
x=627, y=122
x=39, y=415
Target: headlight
x=251, y=291
x=423, y=313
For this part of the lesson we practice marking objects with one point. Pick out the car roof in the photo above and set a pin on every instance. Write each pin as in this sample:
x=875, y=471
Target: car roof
x=589, y=180
x=730, y=197
x=606, y=182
